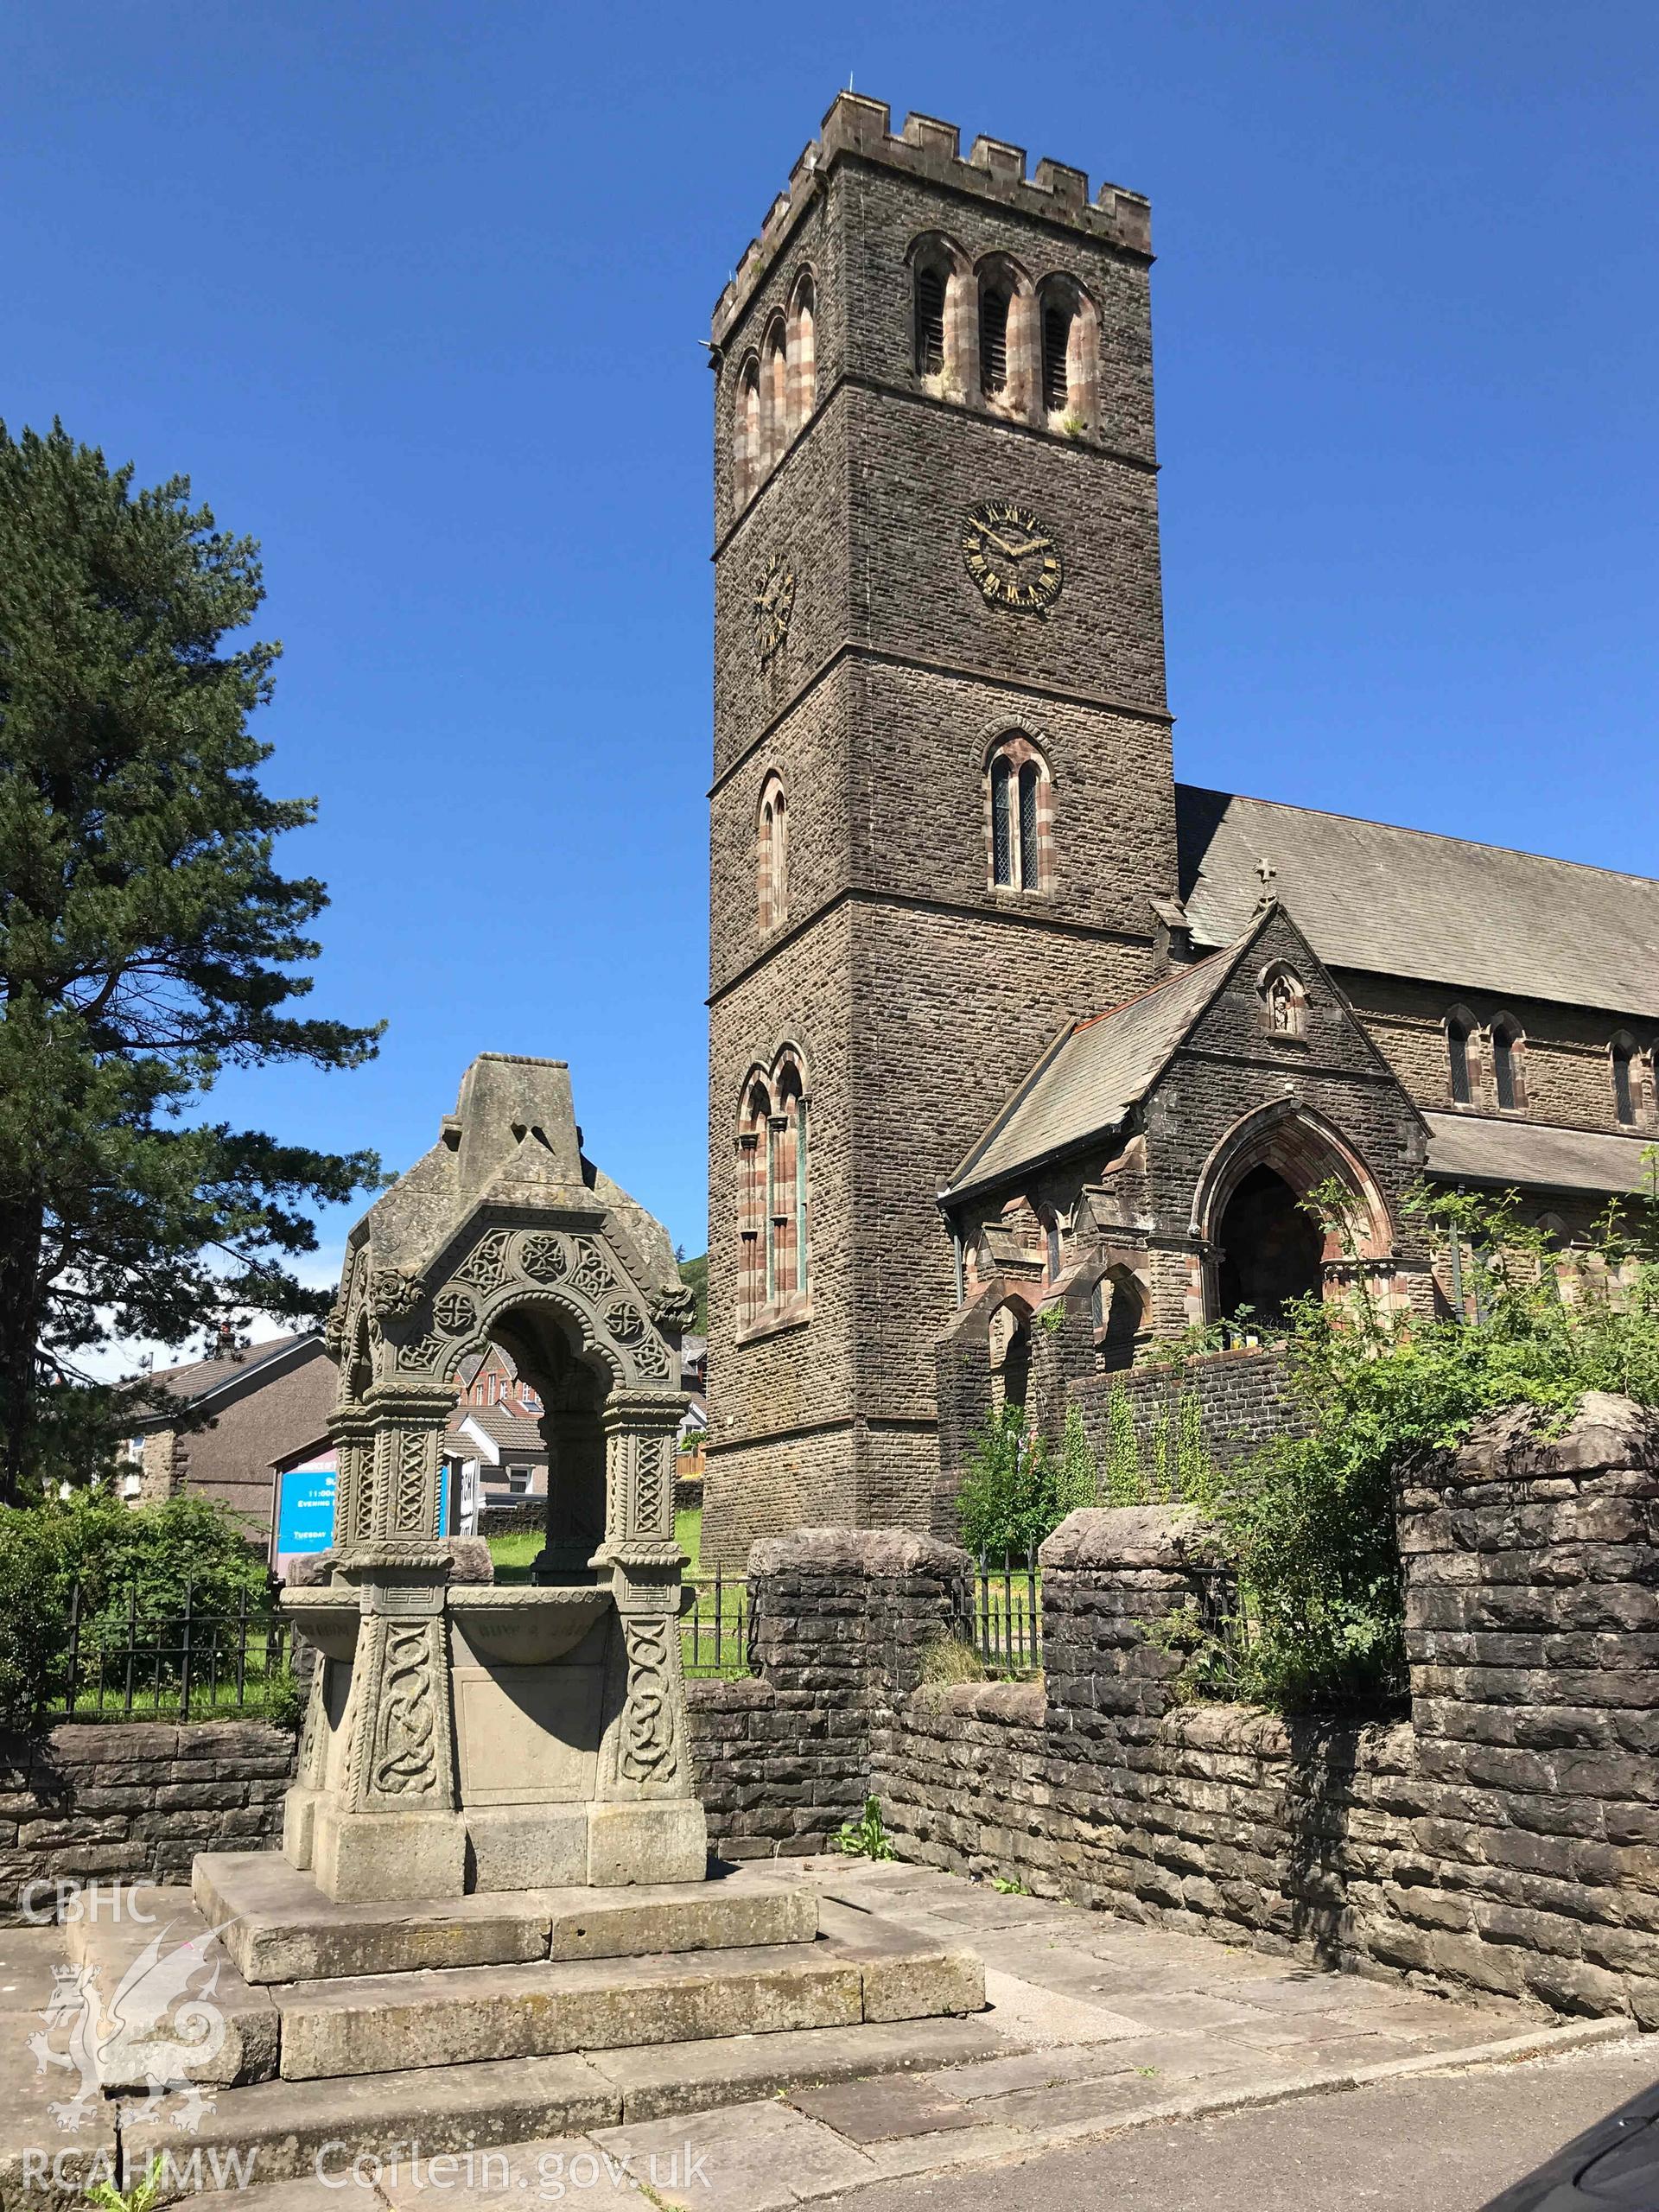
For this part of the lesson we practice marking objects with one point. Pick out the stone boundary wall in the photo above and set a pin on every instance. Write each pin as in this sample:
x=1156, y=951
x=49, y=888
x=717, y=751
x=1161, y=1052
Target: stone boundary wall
x=136, y=1801
x=1244, y=1394
x=1504, y=1839
x=842, y=1619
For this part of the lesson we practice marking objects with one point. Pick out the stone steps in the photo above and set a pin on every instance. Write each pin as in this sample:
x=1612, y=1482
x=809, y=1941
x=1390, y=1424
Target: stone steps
x=278, y=1927
x=376, y=2024
x=280, y=2129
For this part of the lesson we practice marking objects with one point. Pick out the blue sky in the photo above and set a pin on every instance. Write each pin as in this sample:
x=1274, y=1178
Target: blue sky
x=415, y=294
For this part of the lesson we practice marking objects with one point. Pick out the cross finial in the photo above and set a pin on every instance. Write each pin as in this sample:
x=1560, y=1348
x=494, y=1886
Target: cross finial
x=1266, y=871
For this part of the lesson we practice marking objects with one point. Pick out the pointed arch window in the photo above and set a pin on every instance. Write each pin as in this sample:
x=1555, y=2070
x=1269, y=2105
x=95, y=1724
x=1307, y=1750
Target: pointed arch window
x=771, y=1195
x=1053, y=1243
x=774, y=396
x=1508, y=1065
x=1020, y=825
x=1070, y=332
x=746, y=435
x=1626, y=1084
x=771, y=856
x=1457, y=1055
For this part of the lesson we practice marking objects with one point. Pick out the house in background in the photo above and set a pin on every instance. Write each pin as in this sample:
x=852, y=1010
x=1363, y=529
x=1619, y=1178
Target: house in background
x=495, y=1456
x=268, y=1407
x=266, y=1456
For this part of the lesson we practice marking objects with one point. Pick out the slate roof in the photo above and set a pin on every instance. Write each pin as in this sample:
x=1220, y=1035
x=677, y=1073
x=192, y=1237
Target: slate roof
x=1477, y=1148
x=1092, y=1073
x=508, y=1432
x=199, y=1378
x=1408, y=903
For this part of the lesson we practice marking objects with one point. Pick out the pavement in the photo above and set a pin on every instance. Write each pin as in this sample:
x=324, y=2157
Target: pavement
x=1115, y=2058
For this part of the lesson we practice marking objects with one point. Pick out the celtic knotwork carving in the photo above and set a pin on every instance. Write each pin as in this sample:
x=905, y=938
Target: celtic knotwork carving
x=393, y=1294
x=592, y=1275
x=405, y=1763
x=648, y=1484
x=543, y=1258
x=647, y=1723
x=308, y=1766
x=455, y=1312
x=487, y=1262
x=650, y=1358
x=626, y=1323
x=423, y=1354
x=409, y=1485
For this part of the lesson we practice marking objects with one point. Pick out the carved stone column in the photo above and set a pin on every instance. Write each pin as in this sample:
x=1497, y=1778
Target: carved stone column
x=647, y=1813
x=386, y=1823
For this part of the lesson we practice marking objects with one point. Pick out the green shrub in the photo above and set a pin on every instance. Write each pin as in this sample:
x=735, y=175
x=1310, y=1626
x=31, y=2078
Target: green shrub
x=1016, y=1491
x=1310, y=1521
x=126, y=1560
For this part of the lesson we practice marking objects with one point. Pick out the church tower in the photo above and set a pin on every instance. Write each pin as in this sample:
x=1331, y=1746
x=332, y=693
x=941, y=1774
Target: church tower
x=942, y=803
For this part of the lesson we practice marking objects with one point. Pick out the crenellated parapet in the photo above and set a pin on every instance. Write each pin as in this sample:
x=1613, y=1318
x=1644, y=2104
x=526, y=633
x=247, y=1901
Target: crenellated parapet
x=858, y=129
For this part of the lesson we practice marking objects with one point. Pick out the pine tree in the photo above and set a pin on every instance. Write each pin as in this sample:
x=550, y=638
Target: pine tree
x=146, y=944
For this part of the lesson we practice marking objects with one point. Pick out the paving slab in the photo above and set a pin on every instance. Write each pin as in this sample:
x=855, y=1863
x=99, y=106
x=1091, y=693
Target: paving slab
x=869, y=2111
x=753, y=2158
x=57, y=2132
x=30, y=1958
x=281, y=2127
x=563, y=2168
x=1033, y=2014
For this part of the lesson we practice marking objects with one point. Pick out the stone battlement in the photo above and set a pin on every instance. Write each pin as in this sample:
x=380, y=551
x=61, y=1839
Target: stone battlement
x=930, y=152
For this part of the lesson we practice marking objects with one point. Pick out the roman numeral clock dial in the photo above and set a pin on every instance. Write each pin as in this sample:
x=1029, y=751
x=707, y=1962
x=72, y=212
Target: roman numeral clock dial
x=774, y=604
x=1012, y=557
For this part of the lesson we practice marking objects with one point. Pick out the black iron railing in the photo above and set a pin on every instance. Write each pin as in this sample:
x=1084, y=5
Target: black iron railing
x=1008, y=1614
x=717, y=1630
x=114, y=1658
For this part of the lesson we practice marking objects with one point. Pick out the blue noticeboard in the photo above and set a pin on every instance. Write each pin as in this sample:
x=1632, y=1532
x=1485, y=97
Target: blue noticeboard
x=305, y=1512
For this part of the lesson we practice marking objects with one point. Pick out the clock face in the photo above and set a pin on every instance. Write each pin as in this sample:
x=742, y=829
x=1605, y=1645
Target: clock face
x=773, y=605
x=1011, y=556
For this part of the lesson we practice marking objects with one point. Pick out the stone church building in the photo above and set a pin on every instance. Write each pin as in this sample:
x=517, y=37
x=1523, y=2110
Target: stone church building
x=1007, y=1024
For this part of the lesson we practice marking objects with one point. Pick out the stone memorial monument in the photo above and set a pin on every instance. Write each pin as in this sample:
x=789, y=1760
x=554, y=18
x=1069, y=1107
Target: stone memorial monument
x=460, y=1736
x=493, y=1919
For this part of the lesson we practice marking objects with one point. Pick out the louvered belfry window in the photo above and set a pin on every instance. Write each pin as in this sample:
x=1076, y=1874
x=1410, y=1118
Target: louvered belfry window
x=993, y=339
x=1002, y=823
x=929, y=323
x=1057, y=341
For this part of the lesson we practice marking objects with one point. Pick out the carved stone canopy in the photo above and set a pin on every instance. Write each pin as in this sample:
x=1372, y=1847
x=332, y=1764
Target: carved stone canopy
x=526, y=1737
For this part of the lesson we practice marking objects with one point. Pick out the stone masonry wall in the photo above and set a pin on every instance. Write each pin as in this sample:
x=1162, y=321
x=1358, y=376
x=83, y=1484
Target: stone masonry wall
x=842, y=1618
x=136, y=1802
x=1505, y=1839
x=1244, y=1397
